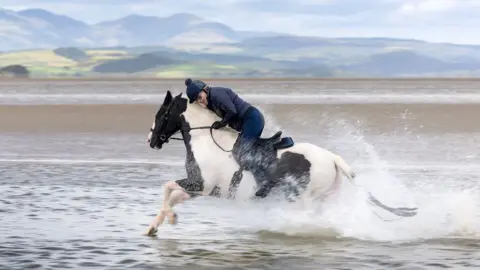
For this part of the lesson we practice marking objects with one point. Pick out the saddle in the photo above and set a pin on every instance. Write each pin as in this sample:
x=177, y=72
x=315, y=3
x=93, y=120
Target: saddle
x=277, y=141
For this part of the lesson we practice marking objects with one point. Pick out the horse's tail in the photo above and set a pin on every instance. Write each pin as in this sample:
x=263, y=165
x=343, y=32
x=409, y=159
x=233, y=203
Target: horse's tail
x=344, y=167
x=347, y=171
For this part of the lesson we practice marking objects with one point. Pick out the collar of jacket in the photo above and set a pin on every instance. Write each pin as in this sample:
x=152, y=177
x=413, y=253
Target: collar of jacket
x=209, y=99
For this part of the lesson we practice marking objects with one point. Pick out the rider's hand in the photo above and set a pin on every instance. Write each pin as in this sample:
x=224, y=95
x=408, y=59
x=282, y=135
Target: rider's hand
x=218, y=124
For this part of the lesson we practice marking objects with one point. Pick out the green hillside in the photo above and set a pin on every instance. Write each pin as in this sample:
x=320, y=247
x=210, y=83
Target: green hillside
x=106, y=62
x=258, y=57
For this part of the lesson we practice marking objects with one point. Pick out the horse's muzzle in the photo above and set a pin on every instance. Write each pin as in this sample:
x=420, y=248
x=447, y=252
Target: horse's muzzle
x=154, y=143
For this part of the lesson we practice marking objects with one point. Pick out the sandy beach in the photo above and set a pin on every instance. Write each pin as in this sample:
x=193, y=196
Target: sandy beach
x=137, y=118
x=77, y=118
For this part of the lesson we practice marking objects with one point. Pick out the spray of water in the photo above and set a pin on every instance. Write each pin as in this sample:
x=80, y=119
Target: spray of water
x=349, y=215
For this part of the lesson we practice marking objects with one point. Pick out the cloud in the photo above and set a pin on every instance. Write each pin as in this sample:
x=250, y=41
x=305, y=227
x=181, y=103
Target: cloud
x=433, y=20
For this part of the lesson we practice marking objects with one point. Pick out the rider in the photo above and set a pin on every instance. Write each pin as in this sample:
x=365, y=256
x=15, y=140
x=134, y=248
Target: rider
x=234, y=111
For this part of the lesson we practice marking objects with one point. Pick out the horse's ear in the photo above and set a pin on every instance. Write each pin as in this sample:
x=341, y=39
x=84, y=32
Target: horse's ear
x=179, y=95
x=168, y=98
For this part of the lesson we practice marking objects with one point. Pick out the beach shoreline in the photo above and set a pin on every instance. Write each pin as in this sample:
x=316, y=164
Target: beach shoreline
x=138, y=118
x=239, y=79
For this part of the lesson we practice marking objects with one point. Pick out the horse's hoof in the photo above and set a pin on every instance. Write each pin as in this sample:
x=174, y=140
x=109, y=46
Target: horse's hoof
x=151, y=232
x=173, y=219
x=261, y=193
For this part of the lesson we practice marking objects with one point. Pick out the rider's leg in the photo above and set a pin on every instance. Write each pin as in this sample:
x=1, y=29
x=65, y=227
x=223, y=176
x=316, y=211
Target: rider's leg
x=252, y=128
x=246, y=154
x=253, y=123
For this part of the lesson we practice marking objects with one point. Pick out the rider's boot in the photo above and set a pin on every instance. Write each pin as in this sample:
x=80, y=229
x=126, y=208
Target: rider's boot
x=255, y=160
x=243, y=153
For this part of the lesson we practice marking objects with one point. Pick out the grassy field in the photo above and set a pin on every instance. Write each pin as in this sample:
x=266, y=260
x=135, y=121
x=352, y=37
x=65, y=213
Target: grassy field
x=179, y=71
x=45, y=63
x=48, y=64
x=41, y=58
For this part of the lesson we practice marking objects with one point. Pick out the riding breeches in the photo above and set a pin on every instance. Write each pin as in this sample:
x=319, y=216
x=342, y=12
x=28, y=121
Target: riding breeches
x=253, y=124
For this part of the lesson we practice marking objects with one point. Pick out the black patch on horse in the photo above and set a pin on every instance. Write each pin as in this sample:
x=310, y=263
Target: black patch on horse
x=194, y=181
x=293, y=165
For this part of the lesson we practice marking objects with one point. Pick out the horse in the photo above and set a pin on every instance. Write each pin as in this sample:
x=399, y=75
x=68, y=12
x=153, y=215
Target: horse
x=300, y=170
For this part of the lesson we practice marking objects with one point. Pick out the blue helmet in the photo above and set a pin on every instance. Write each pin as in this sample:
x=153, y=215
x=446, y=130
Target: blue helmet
x=193, y=88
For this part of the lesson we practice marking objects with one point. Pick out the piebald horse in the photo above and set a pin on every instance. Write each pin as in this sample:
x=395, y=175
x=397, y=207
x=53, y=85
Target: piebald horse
x=300, y=169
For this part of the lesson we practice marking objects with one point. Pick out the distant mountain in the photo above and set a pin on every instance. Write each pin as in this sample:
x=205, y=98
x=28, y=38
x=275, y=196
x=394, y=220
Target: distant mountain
x=341, y=50
x=37, y=28
x=170, y=44
x=402, y=63
x=137, y=30
x=57, y=22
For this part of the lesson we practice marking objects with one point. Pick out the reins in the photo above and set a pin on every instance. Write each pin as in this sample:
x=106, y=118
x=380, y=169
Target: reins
x=203, y=127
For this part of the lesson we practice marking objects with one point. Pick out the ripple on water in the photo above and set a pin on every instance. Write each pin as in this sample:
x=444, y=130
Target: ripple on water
x=89, y=216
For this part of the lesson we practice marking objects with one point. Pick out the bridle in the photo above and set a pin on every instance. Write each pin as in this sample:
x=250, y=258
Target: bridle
x=166, y=138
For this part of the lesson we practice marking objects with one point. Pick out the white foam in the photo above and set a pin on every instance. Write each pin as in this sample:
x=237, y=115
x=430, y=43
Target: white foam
x=441, y=213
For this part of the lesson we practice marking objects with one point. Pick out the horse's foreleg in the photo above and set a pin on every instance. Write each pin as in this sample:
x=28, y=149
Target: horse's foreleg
x=173, y=194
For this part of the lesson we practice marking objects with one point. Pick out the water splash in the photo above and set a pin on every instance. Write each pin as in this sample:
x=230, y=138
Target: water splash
x=441, y=214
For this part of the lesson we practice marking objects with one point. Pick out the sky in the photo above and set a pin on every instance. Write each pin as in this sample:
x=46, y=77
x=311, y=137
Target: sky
x=453, y=21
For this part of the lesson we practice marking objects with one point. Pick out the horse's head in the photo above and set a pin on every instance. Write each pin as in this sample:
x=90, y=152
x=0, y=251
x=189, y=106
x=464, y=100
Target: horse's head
x=167, y=120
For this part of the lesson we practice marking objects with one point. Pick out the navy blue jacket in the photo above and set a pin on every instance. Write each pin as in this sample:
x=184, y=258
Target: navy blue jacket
x=227, y=105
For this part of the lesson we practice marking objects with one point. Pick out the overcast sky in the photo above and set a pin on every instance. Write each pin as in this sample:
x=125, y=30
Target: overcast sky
x=454, y=21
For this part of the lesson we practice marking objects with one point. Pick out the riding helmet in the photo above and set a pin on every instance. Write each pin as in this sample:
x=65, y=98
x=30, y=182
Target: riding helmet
x=193, y=88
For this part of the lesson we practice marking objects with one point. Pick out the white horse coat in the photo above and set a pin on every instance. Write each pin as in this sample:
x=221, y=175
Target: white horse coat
x=218, y=166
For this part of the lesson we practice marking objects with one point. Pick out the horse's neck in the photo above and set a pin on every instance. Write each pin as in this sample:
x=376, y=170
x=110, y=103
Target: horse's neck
x=197, y=116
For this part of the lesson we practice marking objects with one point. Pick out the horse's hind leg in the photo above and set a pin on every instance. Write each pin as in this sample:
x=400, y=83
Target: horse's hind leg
x=173, y=194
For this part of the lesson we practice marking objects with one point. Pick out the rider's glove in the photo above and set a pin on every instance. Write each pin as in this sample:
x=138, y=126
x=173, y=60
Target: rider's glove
x=219, y=124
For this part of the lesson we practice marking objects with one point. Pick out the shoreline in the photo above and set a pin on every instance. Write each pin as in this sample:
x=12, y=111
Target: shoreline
x=146, y=79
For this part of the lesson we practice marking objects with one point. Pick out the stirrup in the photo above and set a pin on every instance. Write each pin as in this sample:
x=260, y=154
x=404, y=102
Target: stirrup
x=275, y=137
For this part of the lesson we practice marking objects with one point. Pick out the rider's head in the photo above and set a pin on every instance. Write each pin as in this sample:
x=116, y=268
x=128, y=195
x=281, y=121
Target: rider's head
x=196, y=91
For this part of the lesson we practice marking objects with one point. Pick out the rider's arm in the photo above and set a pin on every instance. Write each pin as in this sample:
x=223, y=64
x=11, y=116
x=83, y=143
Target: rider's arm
x=225, y=103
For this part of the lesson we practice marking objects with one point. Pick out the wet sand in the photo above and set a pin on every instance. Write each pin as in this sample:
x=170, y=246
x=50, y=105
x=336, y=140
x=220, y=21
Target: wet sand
x=137, y=118
x=77, y=118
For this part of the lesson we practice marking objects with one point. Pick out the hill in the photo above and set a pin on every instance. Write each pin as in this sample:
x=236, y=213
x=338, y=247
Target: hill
x=70, y=61
x=37, y=28
x=50, y=44
x=407, y=63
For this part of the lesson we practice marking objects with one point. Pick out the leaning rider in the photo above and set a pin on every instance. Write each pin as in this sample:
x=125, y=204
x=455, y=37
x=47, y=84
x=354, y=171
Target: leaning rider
x=234, y=111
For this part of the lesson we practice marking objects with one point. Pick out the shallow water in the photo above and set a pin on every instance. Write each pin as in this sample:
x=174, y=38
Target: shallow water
x=265, y=92
x=83, y=200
